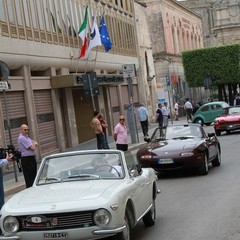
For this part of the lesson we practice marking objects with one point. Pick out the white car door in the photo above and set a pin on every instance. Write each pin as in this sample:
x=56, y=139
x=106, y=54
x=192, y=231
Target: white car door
x=141, y=193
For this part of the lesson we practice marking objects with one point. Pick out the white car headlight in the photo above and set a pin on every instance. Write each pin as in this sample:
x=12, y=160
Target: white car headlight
x=10, y=224
x=101, y=217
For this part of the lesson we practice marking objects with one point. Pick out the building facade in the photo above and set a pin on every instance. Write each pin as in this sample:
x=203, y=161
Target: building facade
x=173, y=28
x=146, y=73
x=39, y=42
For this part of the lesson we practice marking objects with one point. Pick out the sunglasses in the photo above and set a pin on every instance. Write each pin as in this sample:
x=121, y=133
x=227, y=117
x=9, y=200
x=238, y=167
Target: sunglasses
x=25, y=130
x=122, y=119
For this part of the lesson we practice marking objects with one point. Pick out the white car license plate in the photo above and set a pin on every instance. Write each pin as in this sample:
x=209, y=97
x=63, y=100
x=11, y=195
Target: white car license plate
x=62, y=235
x=165, y=161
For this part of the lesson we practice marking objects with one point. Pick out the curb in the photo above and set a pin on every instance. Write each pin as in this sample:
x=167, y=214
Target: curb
x=14, y=190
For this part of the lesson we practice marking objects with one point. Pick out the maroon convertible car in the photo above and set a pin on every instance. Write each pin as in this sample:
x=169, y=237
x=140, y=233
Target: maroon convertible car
x=180, y=146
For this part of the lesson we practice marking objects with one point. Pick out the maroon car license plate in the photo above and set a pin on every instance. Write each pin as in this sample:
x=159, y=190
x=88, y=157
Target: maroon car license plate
x=62, y=235
x=165, y=161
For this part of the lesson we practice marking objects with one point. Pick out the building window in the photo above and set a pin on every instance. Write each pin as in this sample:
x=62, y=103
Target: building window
x=147, y=65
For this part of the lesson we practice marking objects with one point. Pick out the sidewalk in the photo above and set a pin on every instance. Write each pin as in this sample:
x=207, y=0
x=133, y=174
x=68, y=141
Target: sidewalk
x=11, y=186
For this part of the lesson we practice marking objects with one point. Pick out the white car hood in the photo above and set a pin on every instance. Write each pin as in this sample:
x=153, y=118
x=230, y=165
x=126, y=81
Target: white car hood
x=60, y=196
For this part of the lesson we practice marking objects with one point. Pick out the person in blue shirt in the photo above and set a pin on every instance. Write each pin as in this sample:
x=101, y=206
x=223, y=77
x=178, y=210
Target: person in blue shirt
x=142, y=115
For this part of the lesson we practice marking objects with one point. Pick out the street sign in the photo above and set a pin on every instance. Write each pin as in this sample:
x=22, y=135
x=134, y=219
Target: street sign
x=3, y=85
x=129, y=71
x=90, y=84
x=168, y=81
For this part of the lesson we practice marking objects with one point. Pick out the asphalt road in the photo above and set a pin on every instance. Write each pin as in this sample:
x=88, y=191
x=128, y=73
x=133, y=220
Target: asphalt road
x=193, y=207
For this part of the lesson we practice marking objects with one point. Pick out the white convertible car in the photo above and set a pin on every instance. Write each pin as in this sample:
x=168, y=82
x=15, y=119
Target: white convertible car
x=82, y=195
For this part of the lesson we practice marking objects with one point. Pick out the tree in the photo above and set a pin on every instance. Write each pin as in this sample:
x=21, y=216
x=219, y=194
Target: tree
x=219, y=64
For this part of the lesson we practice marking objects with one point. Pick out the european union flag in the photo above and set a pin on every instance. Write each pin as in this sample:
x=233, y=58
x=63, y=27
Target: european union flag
x=105, y=39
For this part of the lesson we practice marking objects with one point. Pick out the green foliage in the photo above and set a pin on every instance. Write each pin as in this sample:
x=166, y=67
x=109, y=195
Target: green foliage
x=221, y=64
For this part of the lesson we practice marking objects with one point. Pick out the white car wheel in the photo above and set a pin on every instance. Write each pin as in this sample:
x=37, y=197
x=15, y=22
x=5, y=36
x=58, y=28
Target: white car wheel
x=149, y=218
x=125, y=234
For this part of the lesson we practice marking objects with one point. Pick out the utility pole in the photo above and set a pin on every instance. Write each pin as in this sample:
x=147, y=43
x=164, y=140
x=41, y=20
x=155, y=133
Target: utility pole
x=129, y=72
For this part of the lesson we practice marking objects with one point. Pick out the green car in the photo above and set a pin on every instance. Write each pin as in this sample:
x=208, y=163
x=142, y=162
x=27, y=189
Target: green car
x=207, y=113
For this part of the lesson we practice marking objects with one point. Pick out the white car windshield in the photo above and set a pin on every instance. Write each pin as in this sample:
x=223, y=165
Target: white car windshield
x=81, y=167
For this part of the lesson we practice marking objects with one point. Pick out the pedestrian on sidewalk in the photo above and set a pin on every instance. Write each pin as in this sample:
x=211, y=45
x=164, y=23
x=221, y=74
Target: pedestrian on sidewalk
x=3, y=162
x=96, y=125
x=166, y=114
x=27, y=147
x=159, y=115
x=142, y=115
x=176, y=110
x=104, y=128
x=120, y=134
x=189, y=109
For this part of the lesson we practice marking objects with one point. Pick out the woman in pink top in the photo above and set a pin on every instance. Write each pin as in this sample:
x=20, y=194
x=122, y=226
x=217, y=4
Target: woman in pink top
x=120, y=135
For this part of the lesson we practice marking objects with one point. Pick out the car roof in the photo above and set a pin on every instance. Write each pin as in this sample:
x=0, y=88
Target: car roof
x=215, y=102
x=222, y=103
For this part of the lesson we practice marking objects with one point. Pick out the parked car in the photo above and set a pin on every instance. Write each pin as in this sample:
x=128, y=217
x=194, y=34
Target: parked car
x=82, y=195
x=180, y=146
x=207, y=113
x=229, y=121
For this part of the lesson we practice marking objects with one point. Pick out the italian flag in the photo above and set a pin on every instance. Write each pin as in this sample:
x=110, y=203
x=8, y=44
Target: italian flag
x=82, y=33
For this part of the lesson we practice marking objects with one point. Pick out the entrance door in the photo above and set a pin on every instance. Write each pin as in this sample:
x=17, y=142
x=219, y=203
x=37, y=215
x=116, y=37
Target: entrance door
x=83, y=107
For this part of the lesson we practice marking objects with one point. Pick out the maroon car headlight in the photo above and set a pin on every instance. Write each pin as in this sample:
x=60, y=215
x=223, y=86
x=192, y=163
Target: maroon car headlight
x=147, y=157
x=186, y=154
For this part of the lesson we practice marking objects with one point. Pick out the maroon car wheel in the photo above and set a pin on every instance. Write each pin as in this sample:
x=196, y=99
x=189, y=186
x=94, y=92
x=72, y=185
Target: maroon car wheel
x=203, y=170
x=218, y=132
x=217, y=161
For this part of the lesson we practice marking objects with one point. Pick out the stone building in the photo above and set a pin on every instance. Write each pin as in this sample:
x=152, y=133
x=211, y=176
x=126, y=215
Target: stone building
x=40, y=45
x=146, y=73
x=221, y=20
x=173, y=28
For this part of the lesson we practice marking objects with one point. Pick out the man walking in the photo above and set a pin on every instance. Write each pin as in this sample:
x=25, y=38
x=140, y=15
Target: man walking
x=189, y=109
x=142, y=115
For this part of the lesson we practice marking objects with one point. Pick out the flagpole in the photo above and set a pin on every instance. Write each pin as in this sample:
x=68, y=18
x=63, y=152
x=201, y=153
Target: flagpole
x=95, y=60
x=85, y=71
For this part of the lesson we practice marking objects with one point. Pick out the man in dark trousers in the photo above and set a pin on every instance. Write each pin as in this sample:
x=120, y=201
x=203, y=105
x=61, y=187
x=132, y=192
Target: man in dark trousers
x=142, y=115
x=27, y=147
x=159, y=115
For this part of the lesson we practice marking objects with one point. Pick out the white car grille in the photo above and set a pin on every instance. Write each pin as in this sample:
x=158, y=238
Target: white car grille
x=56, y=221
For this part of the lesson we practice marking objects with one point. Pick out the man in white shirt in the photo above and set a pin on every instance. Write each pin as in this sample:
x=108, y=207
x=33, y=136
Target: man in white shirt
x=188, y=108
x=176, y=110
x=166, y=114
x=142, y=115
